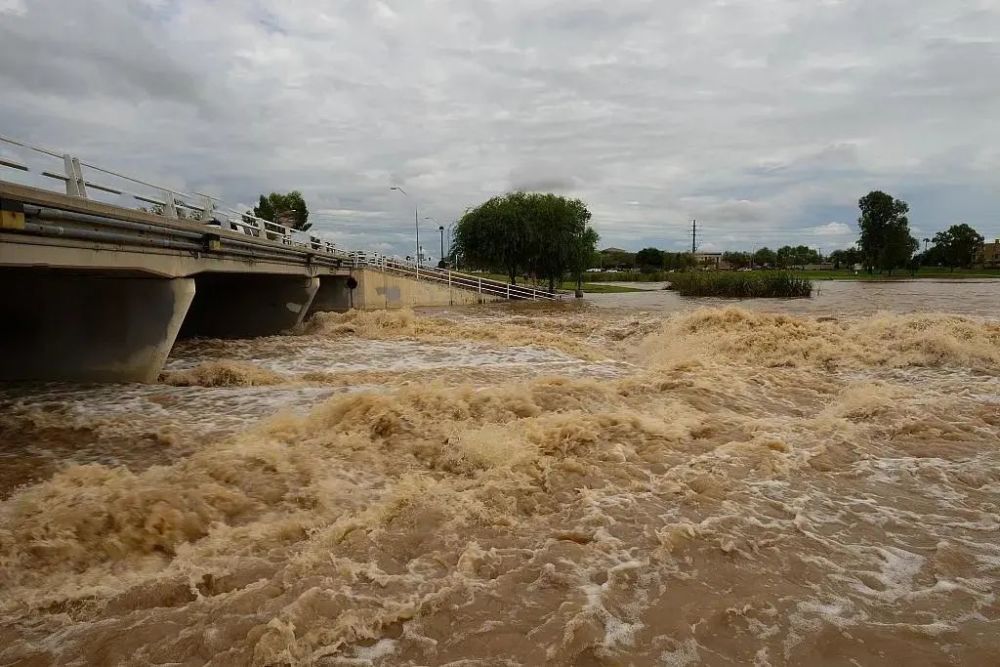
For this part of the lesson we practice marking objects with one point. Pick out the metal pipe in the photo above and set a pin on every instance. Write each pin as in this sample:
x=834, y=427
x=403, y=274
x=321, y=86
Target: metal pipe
x=109, y=237
x=58, y=215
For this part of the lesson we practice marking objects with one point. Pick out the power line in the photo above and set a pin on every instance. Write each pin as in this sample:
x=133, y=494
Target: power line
x=694, y=235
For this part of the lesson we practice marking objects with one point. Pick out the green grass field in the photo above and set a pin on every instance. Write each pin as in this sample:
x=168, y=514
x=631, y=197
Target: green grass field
x=566, y=285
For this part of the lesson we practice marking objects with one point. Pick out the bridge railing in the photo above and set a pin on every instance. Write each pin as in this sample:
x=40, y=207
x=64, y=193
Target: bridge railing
x=174, y=204
x=168, y=202
x=455, y=279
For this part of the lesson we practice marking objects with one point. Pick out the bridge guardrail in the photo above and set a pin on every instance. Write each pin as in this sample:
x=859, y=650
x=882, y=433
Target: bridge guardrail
x=462, y=280
x=211, y=212
x=169, y=203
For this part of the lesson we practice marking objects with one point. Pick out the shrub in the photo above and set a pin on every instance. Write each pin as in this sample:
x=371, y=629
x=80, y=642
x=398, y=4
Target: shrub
x=740, y=284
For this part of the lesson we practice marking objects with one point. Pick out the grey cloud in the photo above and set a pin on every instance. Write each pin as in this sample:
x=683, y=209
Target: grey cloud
x=93, y=48
x=765, y=120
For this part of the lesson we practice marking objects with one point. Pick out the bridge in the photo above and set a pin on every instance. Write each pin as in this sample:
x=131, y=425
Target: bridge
x=98, y=291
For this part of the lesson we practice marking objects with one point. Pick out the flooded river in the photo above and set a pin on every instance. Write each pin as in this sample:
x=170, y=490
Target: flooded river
x=638, y=480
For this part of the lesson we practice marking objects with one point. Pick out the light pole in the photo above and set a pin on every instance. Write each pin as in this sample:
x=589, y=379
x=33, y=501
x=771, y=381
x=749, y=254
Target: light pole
x=416, y=221
x=432, y=219
x=450, y=244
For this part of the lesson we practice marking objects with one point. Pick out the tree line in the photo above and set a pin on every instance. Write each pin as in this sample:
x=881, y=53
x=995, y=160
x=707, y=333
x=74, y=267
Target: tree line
x=527, y=233
x=649, y=260
x=886, y=244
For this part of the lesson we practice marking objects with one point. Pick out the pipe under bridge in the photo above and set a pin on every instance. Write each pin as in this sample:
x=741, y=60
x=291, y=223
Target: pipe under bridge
x=99, y=292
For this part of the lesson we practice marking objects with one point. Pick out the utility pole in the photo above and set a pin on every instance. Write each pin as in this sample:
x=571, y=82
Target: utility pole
x=694, y=235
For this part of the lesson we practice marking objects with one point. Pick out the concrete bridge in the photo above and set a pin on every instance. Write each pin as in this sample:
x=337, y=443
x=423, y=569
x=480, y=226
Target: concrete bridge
x=99, y=292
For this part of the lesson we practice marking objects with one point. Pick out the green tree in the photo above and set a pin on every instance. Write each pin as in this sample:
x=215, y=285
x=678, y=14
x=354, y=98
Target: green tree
x=494, y=235
x=621, y=260
x=899, y=248
x=581, y=255
x=287, y=209
x=649, y=259
x=845, y=258
x=765, y=257
x=958, y=245
x=737, y=260
x=544, y=234
x=885, y=241
x=788, y=256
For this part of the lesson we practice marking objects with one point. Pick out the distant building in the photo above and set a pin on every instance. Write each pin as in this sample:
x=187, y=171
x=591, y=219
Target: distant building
x=710, y=260
x=989, y=255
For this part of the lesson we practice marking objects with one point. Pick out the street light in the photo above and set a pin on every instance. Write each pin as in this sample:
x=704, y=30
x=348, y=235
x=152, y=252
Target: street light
x=416, y=220
x=451, y=246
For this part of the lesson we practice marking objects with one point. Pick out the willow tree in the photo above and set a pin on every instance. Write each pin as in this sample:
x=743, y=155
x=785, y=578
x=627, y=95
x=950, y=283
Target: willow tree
x=544, y=234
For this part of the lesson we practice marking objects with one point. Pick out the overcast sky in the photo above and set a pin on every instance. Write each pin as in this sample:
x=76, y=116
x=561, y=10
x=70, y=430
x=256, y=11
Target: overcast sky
x=765, y=119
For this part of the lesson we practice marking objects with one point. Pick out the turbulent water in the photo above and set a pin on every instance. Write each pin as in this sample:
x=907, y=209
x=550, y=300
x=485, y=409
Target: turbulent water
x=566, y=486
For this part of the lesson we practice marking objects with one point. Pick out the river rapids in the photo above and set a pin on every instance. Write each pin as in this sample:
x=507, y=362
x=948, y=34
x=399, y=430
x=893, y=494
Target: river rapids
x=527, y=486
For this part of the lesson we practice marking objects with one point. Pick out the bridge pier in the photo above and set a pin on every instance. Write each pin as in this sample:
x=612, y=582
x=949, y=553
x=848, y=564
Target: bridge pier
x=86, y=327
x=334, y=295
x=248, y=305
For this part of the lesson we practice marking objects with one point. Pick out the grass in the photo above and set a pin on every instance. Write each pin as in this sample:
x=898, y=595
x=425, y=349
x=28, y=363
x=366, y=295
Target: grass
x=626, y=277
x=740, y=284
x=566, y=285
x=598, y=288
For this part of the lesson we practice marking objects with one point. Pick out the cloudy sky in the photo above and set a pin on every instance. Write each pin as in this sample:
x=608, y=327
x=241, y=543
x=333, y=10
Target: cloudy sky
x=763, y=119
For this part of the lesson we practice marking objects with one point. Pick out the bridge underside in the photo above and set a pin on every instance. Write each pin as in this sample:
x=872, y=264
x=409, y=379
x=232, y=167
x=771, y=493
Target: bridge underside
x=88, y=327
x=245, y=306
x=119, y=327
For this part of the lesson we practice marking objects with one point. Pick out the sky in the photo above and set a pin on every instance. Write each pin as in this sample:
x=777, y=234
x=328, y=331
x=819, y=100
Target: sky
x=765, y=120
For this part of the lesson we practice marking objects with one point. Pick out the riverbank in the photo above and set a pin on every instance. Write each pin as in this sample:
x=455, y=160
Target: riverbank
x=841, y=274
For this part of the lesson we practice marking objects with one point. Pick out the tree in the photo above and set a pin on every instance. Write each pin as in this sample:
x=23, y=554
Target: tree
x=544, y=234
x=650, y=259
x=737, y=260
x=788, y=256
x=885, y=241
x=678, y=261
x=287, y=209
x=899, y=248
x=957, y=245
x=614, y=258
x=845, y=258
x=765, y=257
x=494, y=235
x=581, y=254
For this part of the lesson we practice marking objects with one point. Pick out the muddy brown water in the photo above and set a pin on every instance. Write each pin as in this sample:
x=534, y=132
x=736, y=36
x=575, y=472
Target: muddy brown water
x=642, y=480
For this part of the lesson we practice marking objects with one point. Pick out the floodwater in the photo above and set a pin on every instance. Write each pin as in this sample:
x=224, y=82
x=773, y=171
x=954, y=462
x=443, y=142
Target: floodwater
x=639, y=480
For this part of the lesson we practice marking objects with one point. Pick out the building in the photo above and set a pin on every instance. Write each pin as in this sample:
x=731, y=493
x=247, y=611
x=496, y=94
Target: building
x=710, y=260
x=988, y=255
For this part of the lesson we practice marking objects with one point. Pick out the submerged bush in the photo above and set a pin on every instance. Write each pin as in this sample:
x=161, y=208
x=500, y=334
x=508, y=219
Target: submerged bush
x=740, y=284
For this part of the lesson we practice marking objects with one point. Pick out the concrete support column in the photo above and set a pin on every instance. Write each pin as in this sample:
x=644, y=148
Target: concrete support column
x=335, y=294
x=60, y=325
x=245, y=306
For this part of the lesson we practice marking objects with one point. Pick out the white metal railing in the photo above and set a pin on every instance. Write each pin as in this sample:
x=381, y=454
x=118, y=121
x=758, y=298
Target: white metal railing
x=168, y=202
x=455, y=279
x=208, y=210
